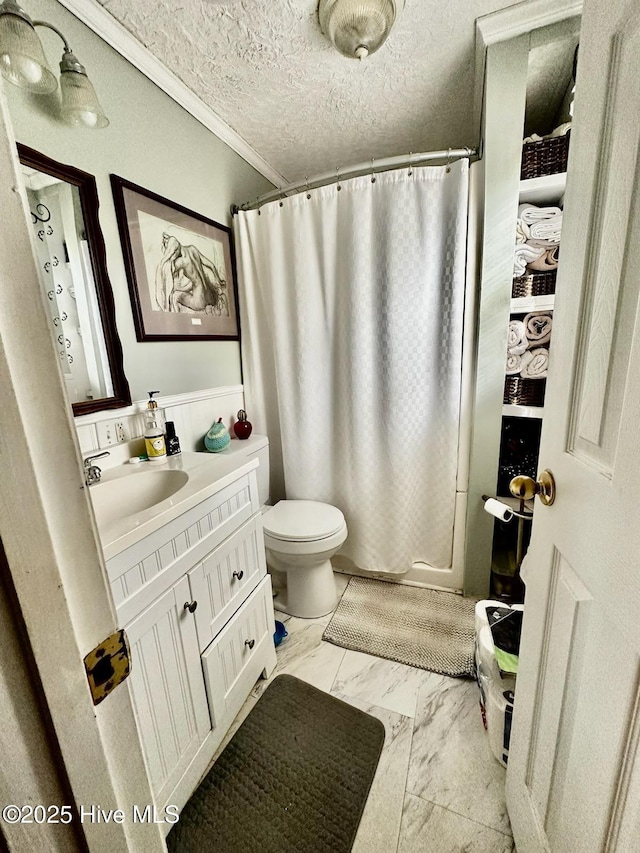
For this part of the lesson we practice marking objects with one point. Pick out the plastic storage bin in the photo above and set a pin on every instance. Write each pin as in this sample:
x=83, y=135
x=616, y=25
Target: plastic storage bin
x=497, y=691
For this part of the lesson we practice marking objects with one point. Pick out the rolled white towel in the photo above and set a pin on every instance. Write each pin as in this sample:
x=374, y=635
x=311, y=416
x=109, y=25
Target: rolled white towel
x=537, y=328
x=547, y=229
x=522, y=232
x=514, y=364
x=517, y=341
x=530, y=213
x=524, y=254
x=534, y=364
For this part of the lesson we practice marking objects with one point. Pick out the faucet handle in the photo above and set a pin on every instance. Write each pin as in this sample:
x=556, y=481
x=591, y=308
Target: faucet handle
x=89, y=459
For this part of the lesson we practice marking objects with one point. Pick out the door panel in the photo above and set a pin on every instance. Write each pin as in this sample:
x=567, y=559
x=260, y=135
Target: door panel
x=573, y=776
x=168, y=687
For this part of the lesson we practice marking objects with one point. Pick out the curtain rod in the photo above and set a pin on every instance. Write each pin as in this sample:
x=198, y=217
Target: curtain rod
x=384, y=165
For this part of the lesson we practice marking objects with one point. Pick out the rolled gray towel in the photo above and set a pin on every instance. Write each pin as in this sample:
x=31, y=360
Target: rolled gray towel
x=538, y=327
x=548, y=261
x=535, y=363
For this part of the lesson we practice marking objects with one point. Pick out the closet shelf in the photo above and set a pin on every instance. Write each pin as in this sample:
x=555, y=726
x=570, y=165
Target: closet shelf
x=525, y=304
x=544, y=191
x=512, y=411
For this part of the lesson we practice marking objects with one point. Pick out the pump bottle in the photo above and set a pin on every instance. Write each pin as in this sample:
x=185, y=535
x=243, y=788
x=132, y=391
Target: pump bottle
x=154, y=431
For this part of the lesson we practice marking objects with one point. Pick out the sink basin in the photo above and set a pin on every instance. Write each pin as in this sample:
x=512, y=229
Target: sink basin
x=122, y=497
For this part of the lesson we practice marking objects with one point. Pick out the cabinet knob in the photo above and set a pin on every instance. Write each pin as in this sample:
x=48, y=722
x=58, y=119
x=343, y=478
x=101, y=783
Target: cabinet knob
x=239, y=575
x=250, y=643
x=190, y=606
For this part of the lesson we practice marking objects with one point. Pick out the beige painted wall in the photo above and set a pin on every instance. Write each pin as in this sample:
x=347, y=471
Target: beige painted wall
x=153, y=142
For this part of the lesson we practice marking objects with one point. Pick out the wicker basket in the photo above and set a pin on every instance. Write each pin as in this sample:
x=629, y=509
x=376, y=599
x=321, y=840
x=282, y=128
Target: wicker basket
x=535, y=284
x=546, y=157
x=524, y=392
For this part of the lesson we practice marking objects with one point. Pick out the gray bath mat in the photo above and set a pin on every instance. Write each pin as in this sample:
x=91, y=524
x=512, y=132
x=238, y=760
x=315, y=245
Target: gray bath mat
x=420, y=627
x=293, y=779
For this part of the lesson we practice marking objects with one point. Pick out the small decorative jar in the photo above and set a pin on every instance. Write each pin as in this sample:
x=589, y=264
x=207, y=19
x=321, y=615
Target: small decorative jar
x=242, y=427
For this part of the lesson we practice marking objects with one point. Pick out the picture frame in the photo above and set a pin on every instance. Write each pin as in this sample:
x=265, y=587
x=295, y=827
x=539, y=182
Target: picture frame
x=180, y=268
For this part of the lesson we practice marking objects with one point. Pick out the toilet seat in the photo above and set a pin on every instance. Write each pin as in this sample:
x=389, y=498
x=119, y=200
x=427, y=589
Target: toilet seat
x=302, y=521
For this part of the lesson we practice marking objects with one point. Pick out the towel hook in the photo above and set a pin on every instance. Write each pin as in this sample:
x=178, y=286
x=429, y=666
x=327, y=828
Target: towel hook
x=306, y=178
x=373, y=177
x=448, y=160
x=410, y=172
x=338, y=187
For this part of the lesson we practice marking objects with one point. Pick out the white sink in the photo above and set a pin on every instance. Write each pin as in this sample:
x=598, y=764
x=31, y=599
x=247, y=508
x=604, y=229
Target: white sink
x=124, y=497
x=132, y=501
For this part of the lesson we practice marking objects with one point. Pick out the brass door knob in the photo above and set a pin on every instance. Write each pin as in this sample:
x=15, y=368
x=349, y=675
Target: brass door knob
x=526, y=488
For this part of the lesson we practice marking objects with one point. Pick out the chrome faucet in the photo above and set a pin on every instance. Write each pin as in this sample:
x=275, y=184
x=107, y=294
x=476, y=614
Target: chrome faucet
x=92, y=473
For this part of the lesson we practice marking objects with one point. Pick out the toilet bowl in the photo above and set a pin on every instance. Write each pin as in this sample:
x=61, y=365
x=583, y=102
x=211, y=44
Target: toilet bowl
x=300, y=538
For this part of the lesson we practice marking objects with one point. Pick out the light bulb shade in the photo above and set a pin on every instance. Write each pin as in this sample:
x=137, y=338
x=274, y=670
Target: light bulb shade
x=352, y=25
x=80, y=105
x=22, y=59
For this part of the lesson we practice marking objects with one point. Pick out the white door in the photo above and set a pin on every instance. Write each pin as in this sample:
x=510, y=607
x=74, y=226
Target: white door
x=573, y=781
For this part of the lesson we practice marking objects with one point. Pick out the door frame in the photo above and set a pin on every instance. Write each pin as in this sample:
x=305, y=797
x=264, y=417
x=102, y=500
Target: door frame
x=50, y=540
x=503, y=41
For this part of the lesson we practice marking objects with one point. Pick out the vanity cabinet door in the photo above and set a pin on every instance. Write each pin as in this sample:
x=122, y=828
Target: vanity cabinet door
x=239, y=654
x=168, y=688
x=225, y=577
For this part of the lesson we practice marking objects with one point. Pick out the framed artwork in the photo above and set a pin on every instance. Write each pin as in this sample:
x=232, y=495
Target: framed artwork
x=180, y=268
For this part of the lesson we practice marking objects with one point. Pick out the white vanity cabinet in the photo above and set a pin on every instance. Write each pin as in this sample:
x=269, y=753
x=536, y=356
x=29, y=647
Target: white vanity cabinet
x=195, y=600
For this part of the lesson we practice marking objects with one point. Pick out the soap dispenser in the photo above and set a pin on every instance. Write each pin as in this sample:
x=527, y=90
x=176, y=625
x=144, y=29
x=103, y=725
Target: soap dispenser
x=154, y=430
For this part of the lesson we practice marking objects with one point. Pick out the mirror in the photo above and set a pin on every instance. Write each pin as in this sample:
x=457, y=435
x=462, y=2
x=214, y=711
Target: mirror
x=70, y=256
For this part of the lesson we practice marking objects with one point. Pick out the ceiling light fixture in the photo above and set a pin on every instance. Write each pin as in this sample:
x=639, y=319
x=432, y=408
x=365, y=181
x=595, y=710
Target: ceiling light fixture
x=23, y=63
x=357, y=28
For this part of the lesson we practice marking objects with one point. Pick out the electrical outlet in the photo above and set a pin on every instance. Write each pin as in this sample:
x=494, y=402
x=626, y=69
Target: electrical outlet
x=120, y=431
x=106, y=433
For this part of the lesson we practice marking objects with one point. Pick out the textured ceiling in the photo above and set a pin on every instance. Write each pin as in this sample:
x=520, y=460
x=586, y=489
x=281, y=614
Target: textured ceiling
x=269, y=73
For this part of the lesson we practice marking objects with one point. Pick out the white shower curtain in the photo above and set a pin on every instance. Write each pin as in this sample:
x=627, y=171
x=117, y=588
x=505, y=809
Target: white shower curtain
x=352, y=304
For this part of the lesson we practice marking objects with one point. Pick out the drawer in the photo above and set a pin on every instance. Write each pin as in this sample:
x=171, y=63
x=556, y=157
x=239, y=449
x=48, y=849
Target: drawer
x=235, y=659
x=143, y=571
x=226, y=576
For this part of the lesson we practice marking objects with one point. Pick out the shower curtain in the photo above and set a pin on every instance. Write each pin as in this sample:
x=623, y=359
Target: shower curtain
x=352, y=300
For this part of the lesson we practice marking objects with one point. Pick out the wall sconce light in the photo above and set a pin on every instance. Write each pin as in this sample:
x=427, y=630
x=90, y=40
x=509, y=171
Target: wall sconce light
x=357, y=28
x=22, y=62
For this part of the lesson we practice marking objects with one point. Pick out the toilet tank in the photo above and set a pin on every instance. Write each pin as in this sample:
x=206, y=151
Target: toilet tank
x=255, y=447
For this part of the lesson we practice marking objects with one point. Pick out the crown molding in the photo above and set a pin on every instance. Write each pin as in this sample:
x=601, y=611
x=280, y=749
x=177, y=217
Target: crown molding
x=91, y=13
x=510, y=23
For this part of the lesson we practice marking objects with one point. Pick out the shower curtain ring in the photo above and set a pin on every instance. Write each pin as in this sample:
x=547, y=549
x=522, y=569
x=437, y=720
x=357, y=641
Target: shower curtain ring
x=448, y=160
x=306, y=177
x=373, y=177
x=281, y=197
x=410, y=172
x=338, y=187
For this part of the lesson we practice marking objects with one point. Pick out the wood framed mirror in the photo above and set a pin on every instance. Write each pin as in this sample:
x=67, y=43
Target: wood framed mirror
x=71, y=261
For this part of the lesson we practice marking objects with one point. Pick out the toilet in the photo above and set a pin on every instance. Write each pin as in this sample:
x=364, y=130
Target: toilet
x=300, y=538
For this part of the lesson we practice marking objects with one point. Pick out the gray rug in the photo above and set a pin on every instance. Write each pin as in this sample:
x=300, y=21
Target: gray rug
x=293, y=779
x=420, y=627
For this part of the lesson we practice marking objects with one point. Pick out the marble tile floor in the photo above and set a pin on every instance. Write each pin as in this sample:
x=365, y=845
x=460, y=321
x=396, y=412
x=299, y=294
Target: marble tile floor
x=437, y=788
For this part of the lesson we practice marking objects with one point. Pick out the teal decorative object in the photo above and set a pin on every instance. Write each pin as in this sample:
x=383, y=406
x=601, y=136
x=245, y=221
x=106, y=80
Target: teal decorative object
x=217, y=438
